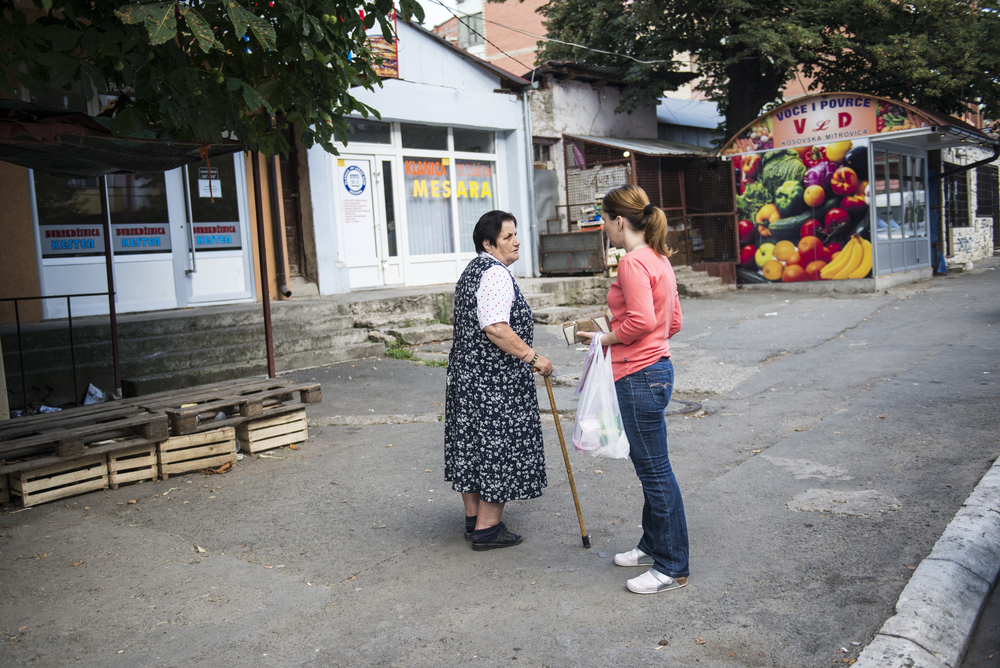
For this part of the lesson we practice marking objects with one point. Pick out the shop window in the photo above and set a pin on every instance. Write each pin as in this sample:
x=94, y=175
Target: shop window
x=475, y=188
x=214, y=204
x=429, y=137
x=470, y=31
x=473, y=141
x=367, y=131
x=390, y=208
x=956, y=198
x=139, y=218
x=428, y=205
x=69, y=216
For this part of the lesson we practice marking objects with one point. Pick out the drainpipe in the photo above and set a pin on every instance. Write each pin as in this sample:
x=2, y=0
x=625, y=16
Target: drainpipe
x=279, y=232
x=530, y=163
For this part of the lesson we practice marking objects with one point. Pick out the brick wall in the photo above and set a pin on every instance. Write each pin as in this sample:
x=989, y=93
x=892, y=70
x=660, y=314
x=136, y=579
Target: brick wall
x=520, y=48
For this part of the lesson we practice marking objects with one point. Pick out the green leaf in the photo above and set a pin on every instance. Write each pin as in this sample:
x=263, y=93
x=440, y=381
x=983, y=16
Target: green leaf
x=264, y=32
x=240, y=17
x=200, y=29
x=125, y=122
x=159, y=18
x=411, y=8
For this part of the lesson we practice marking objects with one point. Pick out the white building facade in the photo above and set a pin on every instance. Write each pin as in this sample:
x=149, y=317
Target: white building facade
x=398, y=205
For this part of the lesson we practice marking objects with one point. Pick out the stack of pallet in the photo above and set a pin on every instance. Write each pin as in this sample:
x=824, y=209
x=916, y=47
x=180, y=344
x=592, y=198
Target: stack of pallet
x=55, y=455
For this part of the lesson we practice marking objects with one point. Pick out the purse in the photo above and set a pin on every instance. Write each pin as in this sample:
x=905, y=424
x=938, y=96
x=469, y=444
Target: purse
x=599, y=431
x=597, y=323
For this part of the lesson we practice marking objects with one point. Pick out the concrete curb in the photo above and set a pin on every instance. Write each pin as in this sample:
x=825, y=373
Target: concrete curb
x=936, y=613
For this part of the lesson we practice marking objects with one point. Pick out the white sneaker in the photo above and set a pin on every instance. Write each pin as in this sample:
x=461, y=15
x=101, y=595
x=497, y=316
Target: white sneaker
x=634, y=557
x=653, y=582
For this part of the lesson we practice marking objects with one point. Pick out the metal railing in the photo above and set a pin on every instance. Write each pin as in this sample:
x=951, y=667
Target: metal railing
x=72, y=347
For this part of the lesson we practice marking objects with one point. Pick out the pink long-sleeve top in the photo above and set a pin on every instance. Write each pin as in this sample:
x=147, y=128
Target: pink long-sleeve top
x=645, y=310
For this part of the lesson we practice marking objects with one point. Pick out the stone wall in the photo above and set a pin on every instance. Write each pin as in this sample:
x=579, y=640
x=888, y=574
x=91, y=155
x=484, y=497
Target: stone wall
x=970, y=244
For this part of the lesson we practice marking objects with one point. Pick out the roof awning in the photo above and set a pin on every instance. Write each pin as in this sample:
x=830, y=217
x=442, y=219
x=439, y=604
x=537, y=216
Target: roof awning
x=651, y=147
x=75, y=145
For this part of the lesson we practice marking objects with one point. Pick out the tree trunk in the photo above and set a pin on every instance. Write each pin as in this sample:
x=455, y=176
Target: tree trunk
x=751, y=86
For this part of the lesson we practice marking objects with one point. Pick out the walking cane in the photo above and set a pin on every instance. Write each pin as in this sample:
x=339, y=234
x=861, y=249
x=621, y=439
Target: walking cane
x=569, y=469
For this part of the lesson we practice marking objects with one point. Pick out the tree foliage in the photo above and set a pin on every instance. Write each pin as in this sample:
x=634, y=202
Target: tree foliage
x=201, y=70
x=941, y=55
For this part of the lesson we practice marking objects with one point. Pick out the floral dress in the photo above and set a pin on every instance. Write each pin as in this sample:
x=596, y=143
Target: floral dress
x=492, y=433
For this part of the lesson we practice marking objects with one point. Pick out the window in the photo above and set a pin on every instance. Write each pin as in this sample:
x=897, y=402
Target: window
x=368, y=131
x=430, y=137
x=542, y=153
x=956, y=197
x=987, y=196
x=428, y=205
x=475, y=185
x=473, y=141
x=69, y=216
x=470, y=30
x=214, y=205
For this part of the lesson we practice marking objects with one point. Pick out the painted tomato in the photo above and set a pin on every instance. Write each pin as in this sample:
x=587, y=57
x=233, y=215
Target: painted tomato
x=745, y=228
x=834, y=219
x=855, y=205
x=748, y=257
x=810, y=228
x=844, y=181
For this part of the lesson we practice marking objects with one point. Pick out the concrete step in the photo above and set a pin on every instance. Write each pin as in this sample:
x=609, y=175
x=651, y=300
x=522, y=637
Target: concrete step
x=415, y=336
x=554, y=315
x=540, y=300
x=138, y=385
x=302, y=288
x=709, y=290
x=314, y=358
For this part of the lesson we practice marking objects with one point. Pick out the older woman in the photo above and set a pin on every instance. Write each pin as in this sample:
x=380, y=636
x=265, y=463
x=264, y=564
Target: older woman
x=646, y=312
x=493, y=434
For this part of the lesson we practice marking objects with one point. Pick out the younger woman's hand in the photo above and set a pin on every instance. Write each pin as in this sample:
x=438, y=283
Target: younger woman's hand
x=586, y=336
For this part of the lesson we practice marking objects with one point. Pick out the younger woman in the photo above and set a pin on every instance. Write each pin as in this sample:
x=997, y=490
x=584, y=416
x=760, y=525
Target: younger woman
x=646, y=312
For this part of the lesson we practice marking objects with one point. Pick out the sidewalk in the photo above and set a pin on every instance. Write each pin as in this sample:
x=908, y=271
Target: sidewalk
x=840, y=437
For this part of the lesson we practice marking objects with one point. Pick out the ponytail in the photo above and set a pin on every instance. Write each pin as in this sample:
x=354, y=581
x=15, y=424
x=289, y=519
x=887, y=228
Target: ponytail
x=631, y=203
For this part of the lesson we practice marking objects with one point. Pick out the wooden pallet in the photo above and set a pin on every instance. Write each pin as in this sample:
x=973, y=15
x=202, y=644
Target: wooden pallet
x=67, y=478
x=193, y=452
x=195, y=409
x=69, y=432
x=4, y=489
x=273, y=431
x=133, y=464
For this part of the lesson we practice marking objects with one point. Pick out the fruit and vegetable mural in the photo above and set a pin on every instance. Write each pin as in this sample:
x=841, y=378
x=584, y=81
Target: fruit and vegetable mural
x=803, y=213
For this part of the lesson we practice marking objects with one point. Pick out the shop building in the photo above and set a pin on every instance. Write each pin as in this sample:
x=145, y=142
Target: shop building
x=398, y=205
x=873, y=178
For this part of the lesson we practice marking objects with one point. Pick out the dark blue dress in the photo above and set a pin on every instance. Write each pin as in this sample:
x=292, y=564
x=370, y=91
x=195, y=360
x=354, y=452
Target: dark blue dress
x=492, y=433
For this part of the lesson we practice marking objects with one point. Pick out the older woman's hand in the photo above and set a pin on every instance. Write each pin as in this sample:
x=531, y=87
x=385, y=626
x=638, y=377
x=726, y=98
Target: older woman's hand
x=543, y=366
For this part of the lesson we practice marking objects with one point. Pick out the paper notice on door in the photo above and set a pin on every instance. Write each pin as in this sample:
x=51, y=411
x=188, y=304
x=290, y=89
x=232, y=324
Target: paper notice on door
x=209, y=183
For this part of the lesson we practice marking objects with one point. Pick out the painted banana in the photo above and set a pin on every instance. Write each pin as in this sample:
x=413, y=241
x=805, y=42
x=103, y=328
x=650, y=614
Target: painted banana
x=839, y=262
x=866, y=261
x=857, y=255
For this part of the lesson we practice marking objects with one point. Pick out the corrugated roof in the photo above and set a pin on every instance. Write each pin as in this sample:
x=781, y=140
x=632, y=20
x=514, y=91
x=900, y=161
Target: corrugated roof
x=653, y=147
x=691, y=113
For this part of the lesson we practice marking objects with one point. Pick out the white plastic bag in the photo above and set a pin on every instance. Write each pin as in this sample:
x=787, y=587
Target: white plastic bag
x=599, y=431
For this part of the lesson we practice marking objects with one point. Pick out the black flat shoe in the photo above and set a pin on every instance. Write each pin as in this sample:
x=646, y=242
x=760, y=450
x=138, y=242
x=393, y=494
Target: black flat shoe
x=505, y=538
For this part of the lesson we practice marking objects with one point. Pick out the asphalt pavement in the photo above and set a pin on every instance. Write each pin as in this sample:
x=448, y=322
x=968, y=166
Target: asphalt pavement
x=840, y=439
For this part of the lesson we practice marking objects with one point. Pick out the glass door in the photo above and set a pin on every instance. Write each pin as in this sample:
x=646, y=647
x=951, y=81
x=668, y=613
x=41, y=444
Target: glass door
x=212, y=256
x=367, y=211
x=902, y=234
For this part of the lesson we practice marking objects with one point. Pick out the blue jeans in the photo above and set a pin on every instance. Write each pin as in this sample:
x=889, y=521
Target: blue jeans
x=642, y=397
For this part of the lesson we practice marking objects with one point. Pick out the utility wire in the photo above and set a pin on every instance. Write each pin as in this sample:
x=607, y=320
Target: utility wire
x=552, y=39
